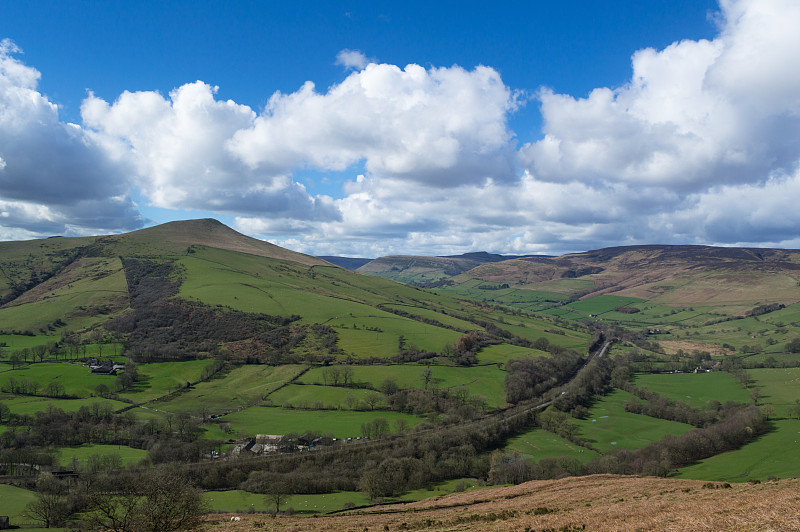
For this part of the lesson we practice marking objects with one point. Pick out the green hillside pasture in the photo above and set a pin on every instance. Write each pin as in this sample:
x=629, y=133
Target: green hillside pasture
x=129, y=455
x=240, y=387
x=342, y=424
x=488, y=381
x=779, y=387
x=697, y=389
x=29, y=405
x=368, y=343
x=531, y=329
x=161, y=378
x=602, y=305
x=538, y=444
x=240, y=501
x=21, y=341
x=533, y=300
x=76, y=379
x=13, y=501
x=502, y=353
x=312, y=396
x=773, y=454
x=437, y=316
x=97, y=283
x=608, y=426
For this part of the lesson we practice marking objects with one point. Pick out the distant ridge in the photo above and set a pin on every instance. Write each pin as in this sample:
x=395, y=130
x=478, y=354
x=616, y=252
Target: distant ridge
x=348, y=263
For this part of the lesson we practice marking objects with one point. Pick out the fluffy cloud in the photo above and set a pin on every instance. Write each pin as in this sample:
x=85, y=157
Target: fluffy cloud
x=442, y=126
x=695, y=115
x=50, y=172
x=354, y=59
x=700, y=146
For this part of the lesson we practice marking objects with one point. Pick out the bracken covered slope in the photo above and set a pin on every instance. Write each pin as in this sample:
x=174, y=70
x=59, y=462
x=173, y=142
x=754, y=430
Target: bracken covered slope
x=598, y=502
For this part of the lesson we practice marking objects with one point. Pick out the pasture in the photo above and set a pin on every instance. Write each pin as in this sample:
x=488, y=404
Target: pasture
x=240, y=501
x=608, y=426
x=538, y=443
x=780, y=386
x=321, y=397
x=341, y=424
x=697, y=389
x=128, y=455
x=13, y=501
x=769, y=455
x=76, y=379
x=240, y=387
x=487, y=381
x=502, y=353
x=29, y=405
x=161, y=378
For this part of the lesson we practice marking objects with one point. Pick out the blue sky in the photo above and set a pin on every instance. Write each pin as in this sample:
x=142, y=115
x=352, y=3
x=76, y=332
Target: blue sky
x=431, y=127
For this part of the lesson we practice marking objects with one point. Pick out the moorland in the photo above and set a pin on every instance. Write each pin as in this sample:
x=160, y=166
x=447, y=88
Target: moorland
x=190, y=368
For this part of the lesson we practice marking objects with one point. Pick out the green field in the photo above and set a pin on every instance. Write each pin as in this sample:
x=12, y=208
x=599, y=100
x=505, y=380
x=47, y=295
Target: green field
x=240, y=501
x=537, y=444
x=13, y=501
x=320, y=397
x=487, y=381
x=161, y=378
x=773, y=454
x=128, y=455
x=778, y=387
x=608, y=426
x=341, y=424
x=697, y=389
x=24, y=404
x=76, y=379
x=241, y=387
x=502, y=353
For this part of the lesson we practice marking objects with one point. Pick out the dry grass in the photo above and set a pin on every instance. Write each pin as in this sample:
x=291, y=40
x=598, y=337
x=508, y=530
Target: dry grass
x=599, y=502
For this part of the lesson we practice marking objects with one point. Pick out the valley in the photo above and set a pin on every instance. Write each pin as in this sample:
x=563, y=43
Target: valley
x=243, y=368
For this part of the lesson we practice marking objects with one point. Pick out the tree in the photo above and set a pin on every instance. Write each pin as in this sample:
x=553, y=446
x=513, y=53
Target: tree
x=159, y=500
x=276, y=493
x=794, y=409
x=5, y=413
x=50, y=506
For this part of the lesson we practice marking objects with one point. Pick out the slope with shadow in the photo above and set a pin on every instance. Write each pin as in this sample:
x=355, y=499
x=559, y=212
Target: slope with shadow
x=426, y=271
x=672, y=275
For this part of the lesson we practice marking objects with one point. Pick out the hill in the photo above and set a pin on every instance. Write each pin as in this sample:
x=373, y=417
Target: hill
x=348, y=263
x=598, y=502
x=426, y=271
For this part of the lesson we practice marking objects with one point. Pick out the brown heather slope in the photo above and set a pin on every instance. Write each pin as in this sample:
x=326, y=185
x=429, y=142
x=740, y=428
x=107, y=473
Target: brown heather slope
x=597, y=502
x=677, y=275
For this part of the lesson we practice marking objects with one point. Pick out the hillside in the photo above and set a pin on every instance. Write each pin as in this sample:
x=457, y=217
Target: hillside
x=424, y=271
x=401, y=392
x=599, y=502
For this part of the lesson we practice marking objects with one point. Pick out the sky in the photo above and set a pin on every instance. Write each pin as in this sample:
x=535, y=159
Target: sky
x=370, y=128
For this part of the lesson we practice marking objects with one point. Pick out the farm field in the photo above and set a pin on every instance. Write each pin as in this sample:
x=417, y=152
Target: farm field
x=240, y=387
x=502, y=353
x=76, y=379
x=538, y=443
x=14, y=500
x=128, y=455
x=780, y=387
x=25, y=404
x=487, y=381
x=161, y=378
x=697, y=389
x=772, y=454
x=321, y=397
x=341, y=424
x=239, y=501
x=608, y=426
